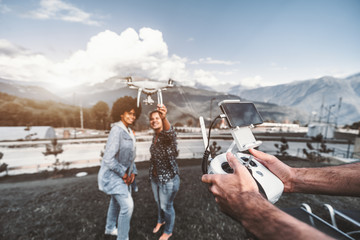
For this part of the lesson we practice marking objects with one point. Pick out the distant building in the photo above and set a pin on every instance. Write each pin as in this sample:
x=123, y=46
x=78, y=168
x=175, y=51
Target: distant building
x=278, y=127
x=325, y=129
x=26, y=133
x=357, y=147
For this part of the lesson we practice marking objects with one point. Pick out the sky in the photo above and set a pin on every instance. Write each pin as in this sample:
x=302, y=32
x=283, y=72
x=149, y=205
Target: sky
x=216, y=43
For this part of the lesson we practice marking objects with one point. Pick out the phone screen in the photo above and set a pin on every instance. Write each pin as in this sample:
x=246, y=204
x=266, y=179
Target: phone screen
x=241, y=114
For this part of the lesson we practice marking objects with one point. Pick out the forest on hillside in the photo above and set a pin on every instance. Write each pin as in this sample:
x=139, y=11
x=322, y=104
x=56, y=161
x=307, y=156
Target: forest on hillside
x=16, y=111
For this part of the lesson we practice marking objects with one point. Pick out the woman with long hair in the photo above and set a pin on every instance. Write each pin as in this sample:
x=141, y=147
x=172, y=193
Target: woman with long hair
x=164, y=171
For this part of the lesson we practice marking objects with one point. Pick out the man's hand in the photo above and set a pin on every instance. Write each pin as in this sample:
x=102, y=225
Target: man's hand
x=285, y=173
x=238, y=196
x=228, y=188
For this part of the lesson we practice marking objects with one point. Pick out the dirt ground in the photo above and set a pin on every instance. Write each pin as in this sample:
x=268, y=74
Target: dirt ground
x=62, y=206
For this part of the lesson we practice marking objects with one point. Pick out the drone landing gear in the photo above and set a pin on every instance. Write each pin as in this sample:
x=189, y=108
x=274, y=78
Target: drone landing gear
x=148, y=100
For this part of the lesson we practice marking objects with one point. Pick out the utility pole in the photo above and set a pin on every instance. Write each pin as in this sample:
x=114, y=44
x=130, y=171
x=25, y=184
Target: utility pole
x=321, y=110
x=338, y=110
x=328, y=119
x=81, y=116
x=211, y=102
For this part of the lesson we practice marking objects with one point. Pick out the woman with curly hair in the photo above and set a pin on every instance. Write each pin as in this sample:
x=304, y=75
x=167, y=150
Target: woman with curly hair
x=118, y=169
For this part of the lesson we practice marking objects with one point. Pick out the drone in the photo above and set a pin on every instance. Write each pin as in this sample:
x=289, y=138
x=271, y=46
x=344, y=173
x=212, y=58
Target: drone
x=149, y=87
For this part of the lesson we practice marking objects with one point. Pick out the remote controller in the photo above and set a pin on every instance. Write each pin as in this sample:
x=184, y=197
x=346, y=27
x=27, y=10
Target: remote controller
x=241, y=116
x=269, y=184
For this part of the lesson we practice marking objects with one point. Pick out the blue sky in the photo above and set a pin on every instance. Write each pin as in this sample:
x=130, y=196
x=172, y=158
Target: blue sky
x=254, y=43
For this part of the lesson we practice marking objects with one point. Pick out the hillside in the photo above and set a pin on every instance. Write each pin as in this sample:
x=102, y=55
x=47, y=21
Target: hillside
x=17, y=111
x=26, y=90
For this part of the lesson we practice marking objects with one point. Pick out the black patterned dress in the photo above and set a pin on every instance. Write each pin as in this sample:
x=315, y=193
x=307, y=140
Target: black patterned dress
x=163, y=165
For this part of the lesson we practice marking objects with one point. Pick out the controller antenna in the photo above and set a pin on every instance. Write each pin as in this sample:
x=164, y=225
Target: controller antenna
x=204, y=164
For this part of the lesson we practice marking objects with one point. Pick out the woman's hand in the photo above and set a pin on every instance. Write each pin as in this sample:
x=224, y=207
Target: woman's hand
x=162, y=110
x=131, y=178
x=128, y=179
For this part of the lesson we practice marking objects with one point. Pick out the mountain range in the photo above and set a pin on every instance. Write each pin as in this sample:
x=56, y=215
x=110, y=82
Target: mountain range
x=336, y=99
x=280, y=103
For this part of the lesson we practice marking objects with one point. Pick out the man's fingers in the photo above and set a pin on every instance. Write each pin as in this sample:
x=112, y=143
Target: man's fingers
x=235, y=164
x=213, y=181
x=257, y=153
x=262, y=157
x=216, y=190
x=207, y=178
x=232, y=160
x=210, y=179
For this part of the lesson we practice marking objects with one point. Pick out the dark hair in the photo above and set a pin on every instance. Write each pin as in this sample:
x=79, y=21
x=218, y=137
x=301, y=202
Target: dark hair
x=122, y=105
x=152, y=112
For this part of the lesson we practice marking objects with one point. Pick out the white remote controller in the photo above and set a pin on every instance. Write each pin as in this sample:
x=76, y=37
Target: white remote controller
x=269, y=184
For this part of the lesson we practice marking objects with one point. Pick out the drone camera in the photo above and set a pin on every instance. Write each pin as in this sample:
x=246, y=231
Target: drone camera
x=170, y=82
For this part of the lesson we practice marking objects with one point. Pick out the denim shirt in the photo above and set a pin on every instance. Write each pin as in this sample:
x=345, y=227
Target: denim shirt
x=117, y=160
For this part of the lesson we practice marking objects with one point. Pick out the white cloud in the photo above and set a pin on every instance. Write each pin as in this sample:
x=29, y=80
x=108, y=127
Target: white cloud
x=60, y=10
x=225, y=73
x=209, y=60
x=205, y=77
x=275, y=66
x=109, y=54
x=256, y=81
x=106, y=55
x=17, y=63
x=7, y=48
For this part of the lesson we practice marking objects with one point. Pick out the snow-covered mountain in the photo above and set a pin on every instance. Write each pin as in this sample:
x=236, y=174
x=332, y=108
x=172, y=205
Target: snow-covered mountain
x=342, y=94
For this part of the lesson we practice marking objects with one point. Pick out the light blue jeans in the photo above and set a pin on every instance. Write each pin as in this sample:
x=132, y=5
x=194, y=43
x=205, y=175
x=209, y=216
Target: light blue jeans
x=164, y=195
x=120, y=210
